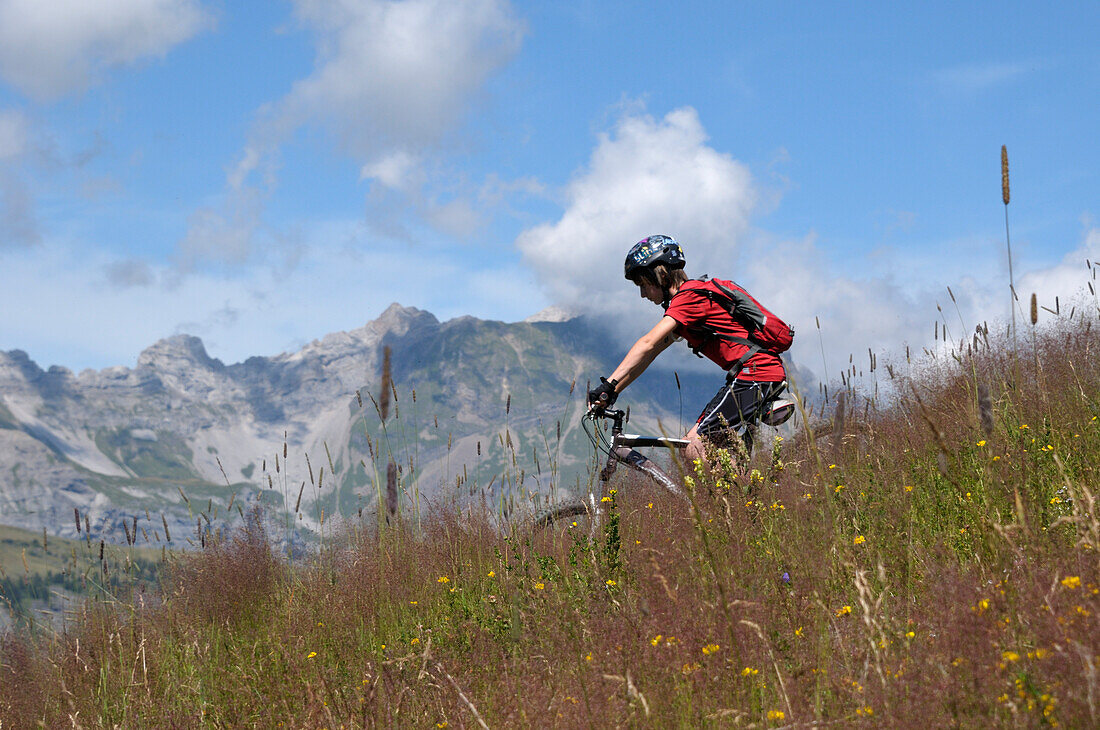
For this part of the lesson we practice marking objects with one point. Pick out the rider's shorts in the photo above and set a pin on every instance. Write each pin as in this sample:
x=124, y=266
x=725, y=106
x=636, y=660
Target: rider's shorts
x=736, y=402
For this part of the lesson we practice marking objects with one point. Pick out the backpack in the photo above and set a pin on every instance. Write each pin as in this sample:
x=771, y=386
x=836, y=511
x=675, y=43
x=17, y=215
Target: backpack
x=767, y=332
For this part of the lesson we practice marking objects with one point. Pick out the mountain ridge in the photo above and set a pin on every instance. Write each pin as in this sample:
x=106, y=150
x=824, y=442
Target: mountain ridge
x=120, y=442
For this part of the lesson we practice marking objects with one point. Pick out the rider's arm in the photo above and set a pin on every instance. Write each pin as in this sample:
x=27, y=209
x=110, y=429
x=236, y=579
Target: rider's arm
x=643, y=352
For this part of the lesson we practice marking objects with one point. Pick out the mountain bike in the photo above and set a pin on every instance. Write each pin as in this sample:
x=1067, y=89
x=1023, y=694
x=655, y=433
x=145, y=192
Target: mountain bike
x=623, y=448
x=619, y=448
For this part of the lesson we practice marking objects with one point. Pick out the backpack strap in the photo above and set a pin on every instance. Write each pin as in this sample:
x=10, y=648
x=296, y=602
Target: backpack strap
x=735, y=369
x=728, y=301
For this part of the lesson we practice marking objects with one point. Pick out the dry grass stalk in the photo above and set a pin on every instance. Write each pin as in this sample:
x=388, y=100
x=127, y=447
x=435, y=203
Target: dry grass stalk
x=631, y=690
x=661, y=578
x=775, y=665
x=386, y=386
x=299, y=502
x=985, y=410
x=391, y=490
x=462, y=696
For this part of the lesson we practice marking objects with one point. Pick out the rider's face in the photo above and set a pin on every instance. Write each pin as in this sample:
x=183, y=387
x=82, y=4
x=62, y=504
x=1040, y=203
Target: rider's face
x=650, y=291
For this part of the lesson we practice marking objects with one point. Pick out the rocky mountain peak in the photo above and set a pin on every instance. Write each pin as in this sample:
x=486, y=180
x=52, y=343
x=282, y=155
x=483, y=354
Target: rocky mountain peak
x=177, y=351
x=399, y=319
x=552, y=314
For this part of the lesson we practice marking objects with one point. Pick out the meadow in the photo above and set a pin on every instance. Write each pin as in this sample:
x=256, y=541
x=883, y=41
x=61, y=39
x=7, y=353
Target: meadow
x=925, y=557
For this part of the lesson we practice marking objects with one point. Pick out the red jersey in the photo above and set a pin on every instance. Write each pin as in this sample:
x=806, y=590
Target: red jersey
x=691, y=311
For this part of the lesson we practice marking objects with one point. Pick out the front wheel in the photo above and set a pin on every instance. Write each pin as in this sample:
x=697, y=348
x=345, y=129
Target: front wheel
x=572, y=518
x=562, y=512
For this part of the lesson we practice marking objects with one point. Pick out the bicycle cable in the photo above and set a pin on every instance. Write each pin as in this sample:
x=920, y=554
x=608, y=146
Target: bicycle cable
x=595, y=434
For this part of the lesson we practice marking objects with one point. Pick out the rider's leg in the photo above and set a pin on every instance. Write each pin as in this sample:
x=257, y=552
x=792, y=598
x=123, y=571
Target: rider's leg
x=695, y=449
x=730, y=414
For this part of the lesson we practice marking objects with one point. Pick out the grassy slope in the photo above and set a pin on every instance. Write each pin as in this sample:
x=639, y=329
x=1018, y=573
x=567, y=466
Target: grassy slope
x=916, y=568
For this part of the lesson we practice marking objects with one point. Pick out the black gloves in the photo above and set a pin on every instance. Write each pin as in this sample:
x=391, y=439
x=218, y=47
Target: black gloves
x=603, y=395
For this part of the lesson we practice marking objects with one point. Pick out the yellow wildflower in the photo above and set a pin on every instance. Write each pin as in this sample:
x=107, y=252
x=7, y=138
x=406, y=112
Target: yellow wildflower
x=492, y=574
x=611, y=582
x=843, y=610
x=981, y=443
x=649, y=506
x=442, y=579
x=776, y=715
x=1071, y=582
x=908, y=488
x=588, y=657
x=415, y=641
x=749, y=671
x=909, y=634
x=860, y=539
x=605, y=499
x=711, y=649
x=539, y=586
x=838, y=488
x=656, y=640
x=1010, y=656
x=311, y=655
x=798, y=631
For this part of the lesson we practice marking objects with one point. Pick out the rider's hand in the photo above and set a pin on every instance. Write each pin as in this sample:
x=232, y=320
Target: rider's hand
x=603, y=395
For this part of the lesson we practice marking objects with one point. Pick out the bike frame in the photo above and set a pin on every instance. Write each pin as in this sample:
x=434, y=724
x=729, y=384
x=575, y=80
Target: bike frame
x=622, y=449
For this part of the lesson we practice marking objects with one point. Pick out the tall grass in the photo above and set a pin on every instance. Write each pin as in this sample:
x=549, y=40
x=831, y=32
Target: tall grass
x=939, y=568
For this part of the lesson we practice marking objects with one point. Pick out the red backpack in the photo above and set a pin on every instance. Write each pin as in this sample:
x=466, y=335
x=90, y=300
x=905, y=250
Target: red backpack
x=767, y=332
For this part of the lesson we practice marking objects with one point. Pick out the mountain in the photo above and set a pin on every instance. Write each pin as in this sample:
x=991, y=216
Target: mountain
x=480, y=410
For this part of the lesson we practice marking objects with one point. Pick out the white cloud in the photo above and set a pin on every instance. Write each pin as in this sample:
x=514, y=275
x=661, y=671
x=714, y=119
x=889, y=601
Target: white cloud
x=398, y=170
x=18, y=222
x=1068, y=280
x=648, y=176
x=391, y=80
x=13, y=135
x=103, y=311
x=48, y=48
x=224, y=237
x=396, y=76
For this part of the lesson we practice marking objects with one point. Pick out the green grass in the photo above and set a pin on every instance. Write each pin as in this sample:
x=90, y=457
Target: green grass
x=33, y=567
x=910, y=569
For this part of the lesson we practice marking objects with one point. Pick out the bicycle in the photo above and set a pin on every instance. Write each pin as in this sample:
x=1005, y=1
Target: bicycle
x=622, y=448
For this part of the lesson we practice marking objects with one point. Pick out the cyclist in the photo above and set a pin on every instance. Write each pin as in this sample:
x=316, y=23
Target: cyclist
x=754, y=377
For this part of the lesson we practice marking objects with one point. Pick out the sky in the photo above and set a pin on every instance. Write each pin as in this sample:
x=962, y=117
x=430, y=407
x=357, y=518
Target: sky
x=262, y=173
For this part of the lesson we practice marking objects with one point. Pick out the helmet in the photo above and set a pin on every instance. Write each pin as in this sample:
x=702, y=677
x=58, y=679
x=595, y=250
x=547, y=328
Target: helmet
x=653, y=250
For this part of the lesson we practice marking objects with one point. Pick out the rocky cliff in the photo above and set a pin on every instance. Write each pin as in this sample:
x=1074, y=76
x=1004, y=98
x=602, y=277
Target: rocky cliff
x=480, y=410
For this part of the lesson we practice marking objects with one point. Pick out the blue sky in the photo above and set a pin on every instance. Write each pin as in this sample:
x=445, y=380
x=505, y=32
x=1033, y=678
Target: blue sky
x=263, y=173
